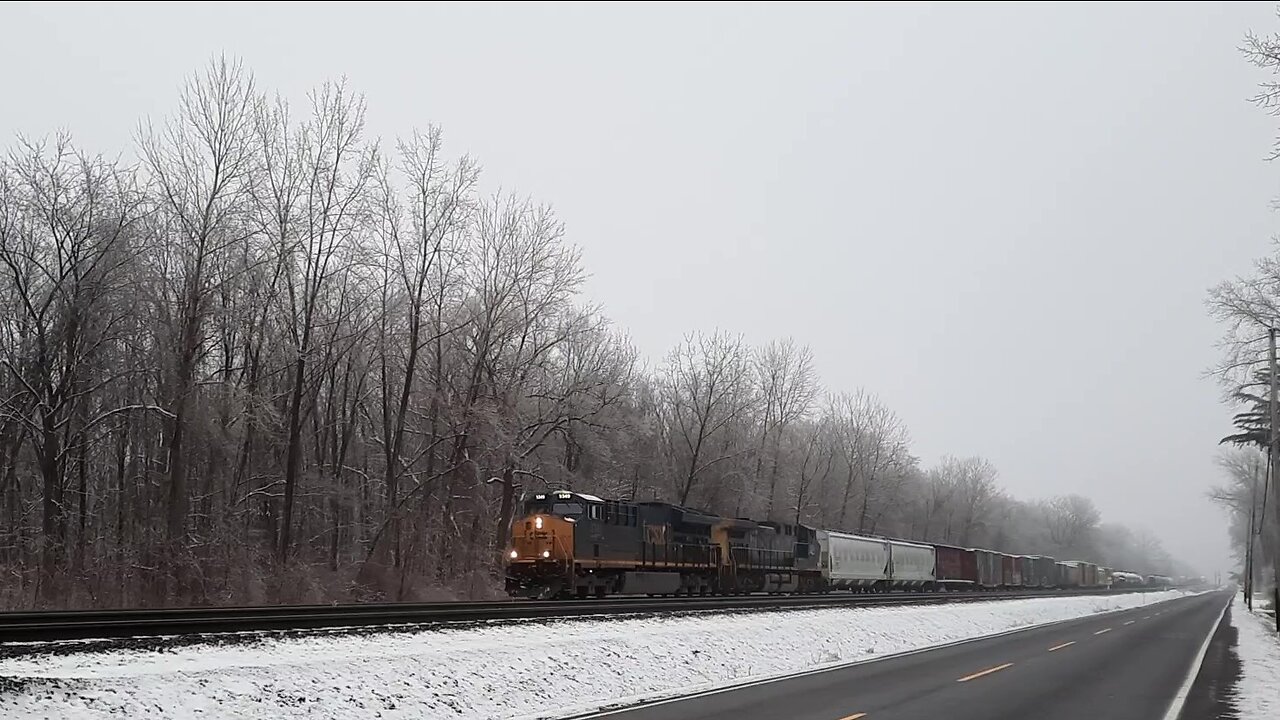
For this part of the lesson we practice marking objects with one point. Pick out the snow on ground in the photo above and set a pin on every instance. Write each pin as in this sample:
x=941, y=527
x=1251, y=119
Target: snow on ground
x=1257, y=695
x=529, y=669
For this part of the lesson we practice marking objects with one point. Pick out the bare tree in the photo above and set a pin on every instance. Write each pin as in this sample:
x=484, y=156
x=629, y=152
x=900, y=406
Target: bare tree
x=875, y=449
x=202, y=165
x=705, y=392
x=68, y=234
x=975, y=494
x=338, y=168
x=820, y=448
x=785, y=388
x=1071, y=520
x=418, y=235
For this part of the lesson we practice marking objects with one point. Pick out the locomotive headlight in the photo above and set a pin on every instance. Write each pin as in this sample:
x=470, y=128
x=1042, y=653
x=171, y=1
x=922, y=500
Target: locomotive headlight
x=546, y=553
x=514, y=554
x=537, y=522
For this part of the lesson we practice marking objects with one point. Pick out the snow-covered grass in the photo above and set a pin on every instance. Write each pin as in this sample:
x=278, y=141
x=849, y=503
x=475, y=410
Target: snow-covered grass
x=1257, y=695
x=533, y=669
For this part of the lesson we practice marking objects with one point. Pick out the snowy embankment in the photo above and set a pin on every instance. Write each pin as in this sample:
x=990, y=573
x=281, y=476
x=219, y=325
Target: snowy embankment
x=530, y=669
x=1257, y=694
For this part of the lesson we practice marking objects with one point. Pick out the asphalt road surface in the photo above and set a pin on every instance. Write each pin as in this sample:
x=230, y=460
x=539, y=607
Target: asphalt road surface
x=1127, y=665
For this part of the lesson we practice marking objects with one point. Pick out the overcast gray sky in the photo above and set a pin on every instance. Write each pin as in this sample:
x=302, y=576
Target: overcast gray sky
x=1002, y=220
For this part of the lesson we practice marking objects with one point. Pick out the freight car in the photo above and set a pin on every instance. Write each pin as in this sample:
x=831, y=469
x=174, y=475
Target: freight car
x=912, y=565
x=1028, y=569
x=1124, y=578
x=1084, y=574
x=1011, y=571
x=855, y=562
x=1045, y=572
x=1068, y=575
x=990, y=569
x=955, y=568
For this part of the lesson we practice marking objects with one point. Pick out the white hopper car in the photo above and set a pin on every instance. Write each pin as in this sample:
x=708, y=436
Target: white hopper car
x=856, y=562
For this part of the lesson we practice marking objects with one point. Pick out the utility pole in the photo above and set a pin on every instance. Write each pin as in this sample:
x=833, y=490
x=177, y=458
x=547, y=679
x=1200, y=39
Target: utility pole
x=1248, y=549
x=1271, y=464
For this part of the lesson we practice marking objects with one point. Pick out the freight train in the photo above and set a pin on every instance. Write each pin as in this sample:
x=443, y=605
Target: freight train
x=569, y=544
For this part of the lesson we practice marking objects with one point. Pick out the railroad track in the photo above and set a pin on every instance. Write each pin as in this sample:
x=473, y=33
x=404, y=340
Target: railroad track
x=25, y=627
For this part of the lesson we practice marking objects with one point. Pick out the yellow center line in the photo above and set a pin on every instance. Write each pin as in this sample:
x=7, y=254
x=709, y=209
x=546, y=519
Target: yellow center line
x=1065, y=644
x=1103, y=630
x=854, y=716
x=988, y=671
x=1130, y=622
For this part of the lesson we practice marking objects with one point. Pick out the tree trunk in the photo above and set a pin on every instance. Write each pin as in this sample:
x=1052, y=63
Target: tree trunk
x=866, y=500
x=773, y=470
x=51, y=506
x=177, y=515
x=508, y=501
x=844, y=503
x=82, y=503
x=122, y=488
x=292, y=456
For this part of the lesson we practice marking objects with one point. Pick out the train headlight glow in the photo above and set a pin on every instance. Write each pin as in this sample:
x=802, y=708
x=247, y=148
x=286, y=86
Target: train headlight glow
x=546, y=553
x=537, y=522
x=514, y=554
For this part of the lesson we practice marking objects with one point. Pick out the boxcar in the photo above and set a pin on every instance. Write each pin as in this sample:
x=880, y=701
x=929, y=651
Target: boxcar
x=1010, y=571
x=1088, y=574
x=990, y=572
x=856, y=562
x=1028, y=565
x=1045, y=571
x=956, y=568
x=911, y=565
x=1068, y=575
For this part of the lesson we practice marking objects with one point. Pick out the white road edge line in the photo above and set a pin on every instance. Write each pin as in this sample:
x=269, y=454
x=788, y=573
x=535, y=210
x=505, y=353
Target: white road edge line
x=1179, y=700
x=607, y=711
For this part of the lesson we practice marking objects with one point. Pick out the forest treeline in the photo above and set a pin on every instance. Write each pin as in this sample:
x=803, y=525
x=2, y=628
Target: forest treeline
x=270, y=358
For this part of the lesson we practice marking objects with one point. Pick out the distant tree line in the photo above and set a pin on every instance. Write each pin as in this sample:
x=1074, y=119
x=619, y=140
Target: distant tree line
x=276, y=360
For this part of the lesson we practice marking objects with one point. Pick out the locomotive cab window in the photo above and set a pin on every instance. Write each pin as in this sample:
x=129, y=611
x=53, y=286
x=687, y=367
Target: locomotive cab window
x=567, y=509
x=547, y=507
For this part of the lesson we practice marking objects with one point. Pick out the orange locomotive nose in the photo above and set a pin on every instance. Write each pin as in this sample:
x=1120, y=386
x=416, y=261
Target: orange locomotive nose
x=541, y=538
x=541, y=552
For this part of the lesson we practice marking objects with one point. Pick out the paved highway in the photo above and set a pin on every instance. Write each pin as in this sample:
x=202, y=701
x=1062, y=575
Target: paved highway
x=1128, y=665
